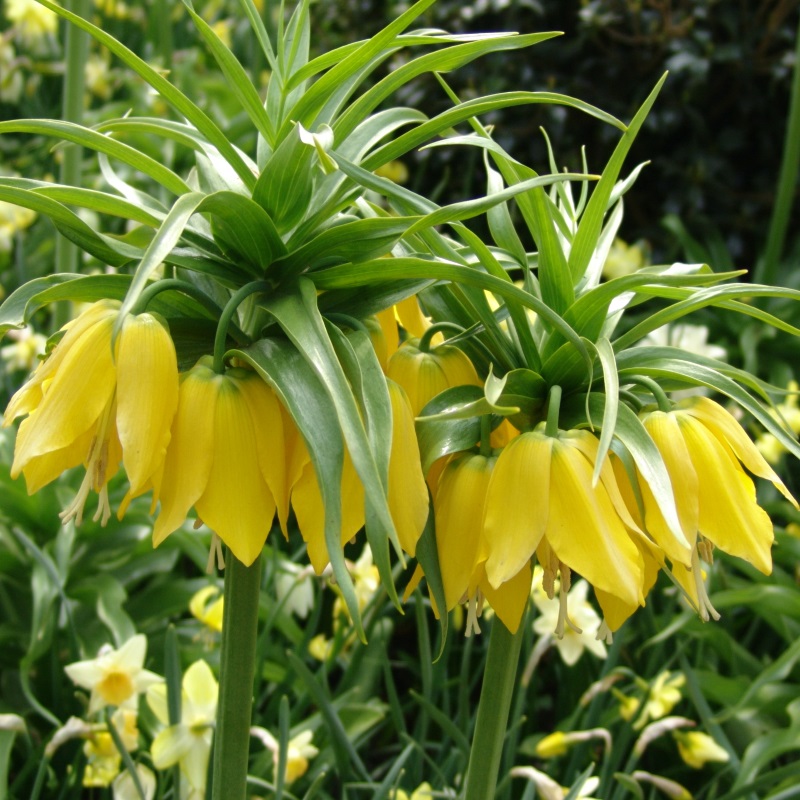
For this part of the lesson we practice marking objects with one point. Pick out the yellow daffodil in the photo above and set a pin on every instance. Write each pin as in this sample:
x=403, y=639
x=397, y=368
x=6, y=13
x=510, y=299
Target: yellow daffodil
x=299, y=752
x=697, y=748
x=423, y=375
x=624, y=259
x=124, y=787
x=560, y=742
x=423, y=792
x=548, y=789
x=582, y=623
x=115, y=677
x=31, y=21
x=102, y=760
x=463, y=544
x=226, y=459
x=93, y=404
x=24, y=353
x=671, y=789
x=662, y=696
x=564, y=516
x=704, y=449
x=366, y=580
x=13, y=218
x=207, y=606
x=407, y=492
x=188, y=743
x=788, y=413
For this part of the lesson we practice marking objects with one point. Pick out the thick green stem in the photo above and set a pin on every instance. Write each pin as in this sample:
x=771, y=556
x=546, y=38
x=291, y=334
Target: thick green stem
x=74, y=90
x=227, y=316
x=767, y=270
x=553, y=407
x=497, y=692
x=237, y=668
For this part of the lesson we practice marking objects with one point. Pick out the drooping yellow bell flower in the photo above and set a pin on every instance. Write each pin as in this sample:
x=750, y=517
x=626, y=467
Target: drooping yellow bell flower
x=226, y=459
x=407, y=494
x=541, y=490
x=704, y=449
x=423, y=375
x=96, y=402
x=461, y=540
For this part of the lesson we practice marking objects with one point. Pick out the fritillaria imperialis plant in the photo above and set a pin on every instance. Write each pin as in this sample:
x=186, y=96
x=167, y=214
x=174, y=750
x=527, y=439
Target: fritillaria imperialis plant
x=232, y=363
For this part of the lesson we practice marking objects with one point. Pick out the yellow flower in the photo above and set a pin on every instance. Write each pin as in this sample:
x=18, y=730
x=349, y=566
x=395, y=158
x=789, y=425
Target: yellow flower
x=697, y=748
x=702, y=446
x=395, y=171
x=582, y=623
x=24, y=353
x=298, y=753
x=407, y=492
x=555, y=744
x=92, y=404
x=188, y=743
x=422, y=792
x=541, y=497
x=225, y=459
x=206, y=607
x=463, y=543
x=31, y=21
x=125, y=789
x=662, y=696
x=423, y=375
x=115, y=677
x=623, y=259
x=102, y=760
x=787, y=412
x=14, y=218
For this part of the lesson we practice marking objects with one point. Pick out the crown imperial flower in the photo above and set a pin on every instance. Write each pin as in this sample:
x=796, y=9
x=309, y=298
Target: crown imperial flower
x=226, y=458
x=98, y=401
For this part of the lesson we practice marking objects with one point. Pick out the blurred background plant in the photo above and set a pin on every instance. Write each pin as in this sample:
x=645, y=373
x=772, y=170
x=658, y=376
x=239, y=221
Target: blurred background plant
x=341, y=719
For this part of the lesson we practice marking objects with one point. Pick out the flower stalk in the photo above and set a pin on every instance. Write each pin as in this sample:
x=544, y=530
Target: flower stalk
x=237, y=669
x=497, y=692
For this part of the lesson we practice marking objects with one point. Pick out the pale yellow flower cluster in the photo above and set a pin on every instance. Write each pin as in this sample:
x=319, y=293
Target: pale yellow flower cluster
x=31, y=21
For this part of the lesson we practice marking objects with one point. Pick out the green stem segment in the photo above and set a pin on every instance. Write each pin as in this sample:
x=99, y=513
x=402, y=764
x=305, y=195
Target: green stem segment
x=226, y=316
x=424, y=345
x=237, y=669
x=74, y=89
x=486, y=435
x=497, y=692
x=658, y=393
x=553, y=408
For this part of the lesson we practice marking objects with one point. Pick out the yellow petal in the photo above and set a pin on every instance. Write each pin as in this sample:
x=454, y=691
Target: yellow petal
x=39, y=471
x=459, y=506
x=511, y=599
x=726, y=428
x=730, y=517
x=147, y=395
x=30, y=395
x=410, y=316
x=408, y=494
x=236, y=503
x=188, y=462
x=295, y=458
x=517, y=505
x=171, y=745
x=76, y=398
x=666, y=433
x=269, y=434
x=310, y=511
x=585, y=530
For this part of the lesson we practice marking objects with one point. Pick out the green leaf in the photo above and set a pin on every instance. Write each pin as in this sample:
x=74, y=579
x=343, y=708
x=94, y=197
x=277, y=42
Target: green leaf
x=605, y=355
x=585, y=242
x=360, y=365
x=443, y=60
x=244, y=230
x=103, y=248
x=300, y=390
x=285, y=185
x=86, y=137
x=299, y=317
x=236, y=78
x=170, y=93
x=361, y=240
